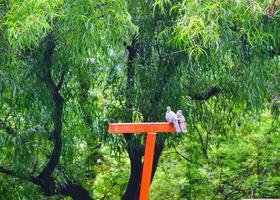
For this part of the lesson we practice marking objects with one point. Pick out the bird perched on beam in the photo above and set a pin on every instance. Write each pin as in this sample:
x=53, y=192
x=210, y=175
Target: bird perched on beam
x=171, y=117
x=182, y=121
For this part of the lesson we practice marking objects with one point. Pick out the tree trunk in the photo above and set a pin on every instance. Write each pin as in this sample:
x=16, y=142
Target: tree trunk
x=134, y=149
x=132, y=190
x=136, y=165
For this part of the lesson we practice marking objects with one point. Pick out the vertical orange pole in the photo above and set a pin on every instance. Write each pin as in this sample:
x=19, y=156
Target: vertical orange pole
x=147, y=166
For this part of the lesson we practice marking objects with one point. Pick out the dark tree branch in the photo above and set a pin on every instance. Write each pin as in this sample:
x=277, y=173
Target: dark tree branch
x=6, y=171
x=52, y=187
x=132, y=49
x=214, y=91
x=10, y=172
x=58, y=109
x=45, y=179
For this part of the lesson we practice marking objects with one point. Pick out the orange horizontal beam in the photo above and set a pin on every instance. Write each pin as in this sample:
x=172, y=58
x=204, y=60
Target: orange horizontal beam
x=152, y=127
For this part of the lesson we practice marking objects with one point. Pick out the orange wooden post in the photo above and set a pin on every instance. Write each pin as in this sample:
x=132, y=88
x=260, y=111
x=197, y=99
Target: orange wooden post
x=151, y=129
x=147, y=166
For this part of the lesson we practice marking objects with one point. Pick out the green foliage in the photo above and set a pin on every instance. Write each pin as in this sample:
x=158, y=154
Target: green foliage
x=112, y=176
x=208, y=24
x=28, y=23
x=184, y=51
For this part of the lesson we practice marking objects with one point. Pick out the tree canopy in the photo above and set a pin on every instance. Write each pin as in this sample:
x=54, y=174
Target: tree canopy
x=69, y=68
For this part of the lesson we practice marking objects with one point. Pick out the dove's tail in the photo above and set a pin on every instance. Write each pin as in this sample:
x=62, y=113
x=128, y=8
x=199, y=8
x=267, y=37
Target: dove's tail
x=183, y=127
x=177, y=126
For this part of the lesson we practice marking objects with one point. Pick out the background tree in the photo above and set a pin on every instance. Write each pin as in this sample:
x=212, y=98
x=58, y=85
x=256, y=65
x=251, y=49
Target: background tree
x=55, y=56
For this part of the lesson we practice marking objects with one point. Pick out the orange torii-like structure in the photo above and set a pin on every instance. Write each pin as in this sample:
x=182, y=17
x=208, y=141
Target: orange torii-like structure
x=151, y=129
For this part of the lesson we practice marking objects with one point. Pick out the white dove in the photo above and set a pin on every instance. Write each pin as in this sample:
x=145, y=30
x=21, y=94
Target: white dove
x=182, y=121
x=170, y=116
